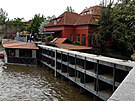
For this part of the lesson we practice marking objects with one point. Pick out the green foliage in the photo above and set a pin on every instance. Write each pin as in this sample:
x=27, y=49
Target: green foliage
x=124, y=26
x=3, y=16
x=50, y=18
x=106, y=25
x=77, y=43
x=49, y=38
x=126, y=1
x=16, y=24
x=45, y=22
x=69, y=9
x=36, y=21
x=118, y=24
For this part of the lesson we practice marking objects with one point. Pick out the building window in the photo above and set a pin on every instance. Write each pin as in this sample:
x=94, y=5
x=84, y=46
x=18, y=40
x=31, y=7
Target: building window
x=83, y=39
x=91, y=40
x=71, y=37
x=91, y=11
x=78, y=37
x=55, y=22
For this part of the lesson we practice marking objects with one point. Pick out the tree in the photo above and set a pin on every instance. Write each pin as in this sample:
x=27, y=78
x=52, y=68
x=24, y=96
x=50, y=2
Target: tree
x=124, y=26
x=69, y=9
x=125, y=1
x=50, y=18
x=3, y=16
x=46, y=21
x=36, y=21
x=106, y=25
x=118, y=24
x=15, y=25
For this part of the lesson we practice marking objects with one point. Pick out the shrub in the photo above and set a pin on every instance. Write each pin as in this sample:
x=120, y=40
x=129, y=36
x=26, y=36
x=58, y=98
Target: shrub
x=77, y=43
x=49, y=38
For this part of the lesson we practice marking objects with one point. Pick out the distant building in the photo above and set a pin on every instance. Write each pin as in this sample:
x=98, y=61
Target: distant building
x=76, y=27
x=27, y=23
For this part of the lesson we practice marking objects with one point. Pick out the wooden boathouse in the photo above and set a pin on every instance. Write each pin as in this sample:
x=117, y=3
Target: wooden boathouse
x=96, y=74
x=21, y=53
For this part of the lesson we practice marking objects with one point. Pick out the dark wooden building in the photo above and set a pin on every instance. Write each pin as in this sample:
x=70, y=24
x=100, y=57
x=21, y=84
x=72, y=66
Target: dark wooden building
x=21, y=53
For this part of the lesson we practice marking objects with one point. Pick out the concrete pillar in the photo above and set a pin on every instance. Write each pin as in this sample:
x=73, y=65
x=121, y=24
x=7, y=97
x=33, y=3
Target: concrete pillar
x=17, y=53
x=34, y=55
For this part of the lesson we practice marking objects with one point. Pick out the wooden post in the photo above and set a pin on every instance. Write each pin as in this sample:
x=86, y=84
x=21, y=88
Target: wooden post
x=55, y=63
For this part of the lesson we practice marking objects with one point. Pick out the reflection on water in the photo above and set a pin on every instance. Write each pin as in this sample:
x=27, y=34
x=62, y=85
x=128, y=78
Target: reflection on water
x=19, y=83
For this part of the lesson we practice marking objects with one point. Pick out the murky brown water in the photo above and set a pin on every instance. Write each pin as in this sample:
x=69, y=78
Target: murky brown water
x=19, y=83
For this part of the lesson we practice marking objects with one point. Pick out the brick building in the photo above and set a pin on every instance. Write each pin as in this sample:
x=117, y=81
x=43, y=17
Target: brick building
x=76, y=27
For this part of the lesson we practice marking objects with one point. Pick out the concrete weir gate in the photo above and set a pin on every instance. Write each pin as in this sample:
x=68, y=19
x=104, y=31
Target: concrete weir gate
x=96, y=74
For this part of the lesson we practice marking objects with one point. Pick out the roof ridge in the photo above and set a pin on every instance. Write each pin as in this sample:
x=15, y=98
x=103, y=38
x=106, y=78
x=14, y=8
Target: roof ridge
x=90, y=19
x=77, y=20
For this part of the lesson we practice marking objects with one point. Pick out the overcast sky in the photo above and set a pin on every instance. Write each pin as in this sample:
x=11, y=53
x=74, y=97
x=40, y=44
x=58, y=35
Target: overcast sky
x=28, y=8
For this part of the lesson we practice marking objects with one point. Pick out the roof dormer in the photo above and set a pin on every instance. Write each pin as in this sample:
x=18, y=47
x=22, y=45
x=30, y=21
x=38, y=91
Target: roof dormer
x=55, y=21
x=91, y=11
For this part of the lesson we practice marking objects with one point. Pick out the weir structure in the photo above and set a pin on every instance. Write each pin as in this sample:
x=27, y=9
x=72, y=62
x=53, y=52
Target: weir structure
x=96, y=74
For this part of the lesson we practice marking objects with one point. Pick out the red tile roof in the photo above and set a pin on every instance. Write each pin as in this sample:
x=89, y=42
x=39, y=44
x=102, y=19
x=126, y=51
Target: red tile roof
x=19, y=45
x=67, y=18
x=88, y=19
x=73, y=47
x=94, y=8
x=60, y=40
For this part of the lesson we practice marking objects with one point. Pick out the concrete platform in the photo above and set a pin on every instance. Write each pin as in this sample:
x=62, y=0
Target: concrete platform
x=126, y=90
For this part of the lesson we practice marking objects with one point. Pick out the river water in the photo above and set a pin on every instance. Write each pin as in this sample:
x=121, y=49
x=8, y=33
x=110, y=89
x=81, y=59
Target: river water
x=20, y=83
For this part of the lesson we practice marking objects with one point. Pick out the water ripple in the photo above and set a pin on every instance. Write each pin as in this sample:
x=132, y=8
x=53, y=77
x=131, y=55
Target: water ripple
x=18, y=83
